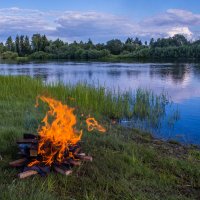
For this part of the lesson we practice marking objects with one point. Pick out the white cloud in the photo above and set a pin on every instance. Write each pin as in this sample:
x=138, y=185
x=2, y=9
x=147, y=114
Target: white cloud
x=174, y=17
x=171, y=22
x=70, y=25
x=24, y=21
x=93, y=24
x=180, y=30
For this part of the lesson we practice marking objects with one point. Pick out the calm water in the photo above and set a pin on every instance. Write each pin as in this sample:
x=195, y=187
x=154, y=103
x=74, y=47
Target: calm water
x=180, y=81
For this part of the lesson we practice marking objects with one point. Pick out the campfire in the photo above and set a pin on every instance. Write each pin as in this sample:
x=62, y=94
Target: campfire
x=57, y=146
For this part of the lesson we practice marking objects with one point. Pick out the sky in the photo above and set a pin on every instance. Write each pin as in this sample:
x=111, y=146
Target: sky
x=100, y=20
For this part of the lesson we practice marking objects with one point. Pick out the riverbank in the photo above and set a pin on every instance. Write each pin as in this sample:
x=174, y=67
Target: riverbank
x=128, y=163
x=108, y=59
x=12, y=57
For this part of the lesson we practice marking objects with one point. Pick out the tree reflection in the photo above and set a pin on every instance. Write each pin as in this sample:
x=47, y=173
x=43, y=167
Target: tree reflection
x=178, y=72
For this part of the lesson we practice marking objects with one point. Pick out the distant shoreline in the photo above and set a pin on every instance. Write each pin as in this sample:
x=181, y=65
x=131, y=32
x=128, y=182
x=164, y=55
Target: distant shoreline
x=114, y=59
x=39, y=47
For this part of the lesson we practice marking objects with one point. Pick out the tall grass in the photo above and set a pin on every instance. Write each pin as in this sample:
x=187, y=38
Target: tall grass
x=99, y=100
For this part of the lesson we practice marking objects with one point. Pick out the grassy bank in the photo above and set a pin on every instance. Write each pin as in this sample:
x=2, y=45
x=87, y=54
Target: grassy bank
x=128, y=164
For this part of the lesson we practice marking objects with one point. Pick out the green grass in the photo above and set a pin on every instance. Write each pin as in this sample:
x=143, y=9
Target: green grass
x=128, y=164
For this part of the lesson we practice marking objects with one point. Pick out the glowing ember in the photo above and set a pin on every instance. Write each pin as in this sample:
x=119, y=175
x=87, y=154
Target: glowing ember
x=58, y=133
x=35, y=162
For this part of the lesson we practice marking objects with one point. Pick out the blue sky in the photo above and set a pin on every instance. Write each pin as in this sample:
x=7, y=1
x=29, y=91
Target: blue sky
x=100, y=20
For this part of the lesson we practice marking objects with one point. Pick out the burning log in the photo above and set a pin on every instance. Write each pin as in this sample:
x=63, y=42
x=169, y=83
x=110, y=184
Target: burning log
x=27, y=174
x=62, y=170
x=18, y=163
x=29, y=150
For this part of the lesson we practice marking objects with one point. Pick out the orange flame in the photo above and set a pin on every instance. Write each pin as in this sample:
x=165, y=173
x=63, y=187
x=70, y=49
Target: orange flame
x=58, y=132
x=57, y=136
x=93, y=124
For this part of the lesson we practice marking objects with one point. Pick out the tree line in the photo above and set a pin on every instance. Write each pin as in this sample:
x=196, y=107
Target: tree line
x=39, y=47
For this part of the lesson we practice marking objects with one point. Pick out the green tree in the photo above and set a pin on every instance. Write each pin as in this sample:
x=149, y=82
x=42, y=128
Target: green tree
x=27, y=46
x=58, y=43
x=100, y=46
x=137, y=41
x=10, y=46
x=151, y=43
x=2, y=48
x=89, y=45
x=36, y=42
x=179, y=40
x=44, y=43
x=115, y=46
x=17, y=44
x=129, y=45
x=22, y=46
x=129, y=41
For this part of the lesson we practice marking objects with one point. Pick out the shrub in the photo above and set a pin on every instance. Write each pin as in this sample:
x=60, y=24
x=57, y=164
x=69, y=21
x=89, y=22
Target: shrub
x=22, y=59
x=40, y=55
x=9, y=55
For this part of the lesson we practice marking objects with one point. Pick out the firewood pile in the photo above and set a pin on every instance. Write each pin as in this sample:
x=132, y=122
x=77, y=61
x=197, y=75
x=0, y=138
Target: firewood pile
x=31, y=163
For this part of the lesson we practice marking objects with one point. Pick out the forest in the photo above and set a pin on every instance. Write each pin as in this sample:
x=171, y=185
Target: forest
x=40, y=47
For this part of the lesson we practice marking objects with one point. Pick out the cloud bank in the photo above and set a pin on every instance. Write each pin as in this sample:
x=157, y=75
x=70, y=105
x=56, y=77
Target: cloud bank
x=74, y=25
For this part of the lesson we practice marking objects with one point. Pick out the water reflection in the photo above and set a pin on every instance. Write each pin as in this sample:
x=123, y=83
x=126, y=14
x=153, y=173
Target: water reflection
x=90, y=73
x=114, y=73
x=42, y=73
x=177, y=73
x=180, y=81
x=133, y=73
